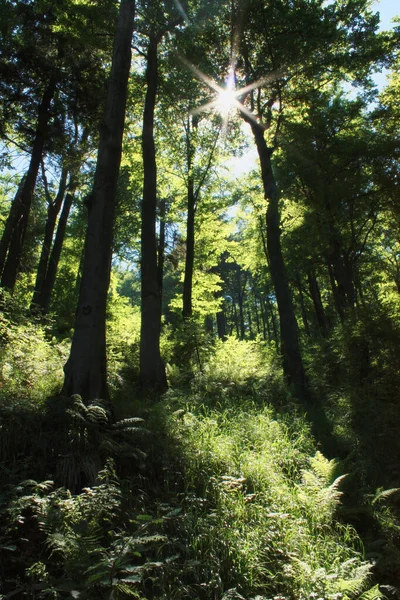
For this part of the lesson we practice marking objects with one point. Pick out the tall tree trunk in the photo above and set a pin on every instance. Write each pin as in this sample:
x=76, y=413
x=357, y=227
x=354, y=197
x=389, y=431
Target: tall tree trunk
x=152, y=371
x=304, y=317
x=317, y=301
x=221, y=325
x=161, y=246
x=54, y=259
x=265, y=321
x=17, y=223
x=86, y=369
x=191, y=213
x=12, y=219
x=52, y=214
x=290, y=348
x=256, y=314
x=189, y=261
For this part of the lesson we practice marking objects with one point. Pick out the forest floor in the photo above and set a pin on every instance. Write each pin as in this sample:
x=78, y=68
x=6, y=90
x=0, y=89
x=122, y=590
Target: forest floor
x=218, y=490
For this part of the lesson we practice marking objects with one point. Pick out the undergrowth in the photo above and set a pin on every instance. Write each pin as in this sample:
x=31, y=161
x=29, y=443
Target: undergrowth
x=219, y=491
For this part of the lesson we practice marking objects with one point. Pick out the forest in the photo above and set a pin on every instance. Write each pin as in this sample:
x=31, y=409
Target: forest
x=199, y=300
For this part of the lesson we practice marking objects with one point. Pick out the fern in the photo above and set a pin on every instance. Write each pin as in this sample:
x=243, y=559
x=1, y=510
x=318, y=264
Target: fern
x=385, y=494
x=372, y=594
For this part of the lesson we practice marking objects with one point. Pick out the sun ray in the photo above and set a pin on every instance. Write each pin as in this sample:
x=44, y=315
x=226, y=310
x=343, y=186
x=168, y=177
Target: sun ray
x=227, y=97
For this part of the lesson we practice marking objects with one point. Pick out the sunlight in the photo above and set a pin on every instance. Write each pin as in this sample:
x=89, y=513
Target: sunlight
x=226, y=99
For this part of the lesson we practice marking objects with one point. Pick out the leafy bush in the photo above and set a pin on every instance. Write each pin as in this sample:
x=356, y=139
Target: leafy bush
x=30, y=363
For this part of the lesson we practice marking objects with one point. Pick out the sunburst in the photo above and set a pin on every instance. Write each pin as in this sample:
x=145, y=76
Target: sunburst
x=227, y=98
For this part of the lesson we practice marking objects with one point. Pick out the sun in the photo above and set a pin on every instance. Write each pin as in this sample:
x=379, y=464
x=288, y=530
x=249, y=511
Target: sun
x=226, y=99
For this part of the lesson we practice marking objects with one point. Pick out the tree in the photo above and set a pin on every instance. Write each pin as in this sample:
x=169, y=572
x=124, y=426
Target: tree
x=278, y=67
x=161, y=17
x=85, y=370
x=47, y=79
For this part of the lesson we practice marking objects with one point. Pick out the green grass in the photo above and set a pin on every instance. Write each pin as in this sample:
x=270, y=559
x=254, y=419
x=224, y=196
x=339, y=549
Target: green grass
x=221, y=493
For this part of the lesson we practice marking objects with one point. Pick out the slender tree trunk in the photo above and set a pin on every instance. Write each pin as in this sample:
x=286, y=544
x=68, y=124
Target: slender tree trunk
x=189, y=262
x=52, y=213
x=221, y=325
x=161, y=246
x=256, y=315
x=317, y=301
x=337, y=298
x=86, y=369
x=304, y=317
x=290, y=348
x=265, y=322
x=240, y=302
x=16, y=226
x=235, y=319
x=54, y=259
x=12, y=219
x=152, y=371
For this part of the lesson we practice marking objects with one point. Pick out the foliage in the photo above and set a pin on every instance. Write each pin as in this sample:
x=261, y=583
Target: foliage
x=30, y=364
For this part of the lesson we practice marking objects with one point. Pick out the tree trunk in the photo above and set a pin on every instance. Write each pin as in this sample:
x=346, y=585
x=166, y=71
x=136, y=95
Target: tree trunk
x=86, y=369
x=304, y=317
x=17, y=223
x=189, y=262
x=317, y=301
x=161, y=246
x=152, y=371
x=265, y=321
x=54, y=259
x=52, y=213
x=12, y=219
x=290, y=348
x=221, y=325
x=240, y=302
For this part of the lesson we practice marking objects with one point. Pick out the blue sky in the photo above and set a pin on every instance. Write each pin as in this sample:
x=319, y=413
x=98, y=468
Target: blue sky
x=387, y=9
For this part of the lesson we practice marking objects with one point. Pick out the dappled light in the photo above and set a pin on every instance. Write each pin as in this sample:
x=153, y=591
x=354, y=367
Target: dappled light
x=199, y=301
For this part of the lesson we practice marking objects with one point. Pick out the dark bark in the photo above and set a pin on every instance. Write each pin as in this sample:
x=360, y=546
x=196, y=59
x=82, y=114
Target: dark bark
x=86, y=369
x=161, y=246
x=337, y=298
x=256, y=314
x=290, y=348
x=15, y=230
x=342, y=270
x=152, y=371
x=304, y=317
x=273, y=321
x=265, y=321
x=189, y=262
x=317, y=301
x=54, y=259
x=240, y=293
x=235, y=319
x=53, y=209
x=12, y=219
x=221, y=325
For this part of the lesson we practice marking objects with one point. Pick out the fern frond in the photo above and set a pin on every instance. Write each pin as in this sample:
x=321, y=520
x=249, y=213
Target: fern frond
x=385, y=494
x=128, y=422
x=372, y=594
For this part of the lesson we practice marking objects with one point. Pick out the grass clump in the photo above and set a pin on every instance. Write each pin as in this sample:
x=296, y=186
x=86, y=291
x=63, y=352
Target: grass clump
x=263, y=505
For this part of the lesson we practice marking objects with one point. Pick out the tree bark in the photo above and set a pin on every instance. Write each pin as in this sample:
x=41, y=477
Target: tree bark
x=86, y=368
x=290, y=348
x=52, y=213
x=152, y=370
x=54, y=259
x=161, y=246
x=15, y=230
x=189, y=262
x=304, y=317
x=317, y=301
